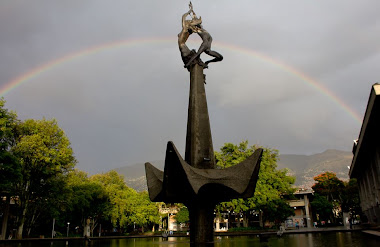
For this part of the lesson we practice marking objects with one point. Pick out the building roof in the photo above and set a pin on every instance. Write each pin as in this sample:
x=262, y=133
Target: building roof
x=303, y=191
x=369, y=137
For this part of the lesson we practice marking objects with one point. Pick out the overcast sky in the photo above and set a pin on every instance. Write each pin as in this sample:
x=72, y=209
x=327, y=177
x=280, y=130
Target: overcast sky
x=290, y=70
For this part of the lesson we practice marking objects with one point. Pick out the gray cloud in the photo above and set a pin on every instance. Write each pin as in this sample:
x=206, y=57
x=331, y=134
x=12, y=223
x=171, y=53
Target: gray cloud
x=121, y=105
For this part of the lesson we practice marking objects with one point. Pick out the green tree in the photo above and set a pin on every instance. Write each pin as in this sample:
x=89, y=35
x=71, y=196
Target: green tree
x=333, y=189
x=145, y=213
x=120, y=195
x=272, y=183
x=231, y=154
x=45, y=154
x=350, y=197
x=183, y=215
x=128, y=207
x=322, y=207
x=277, y=211
x=343, y=196
x=86, y=199
x=328, y=185
x=10, y=169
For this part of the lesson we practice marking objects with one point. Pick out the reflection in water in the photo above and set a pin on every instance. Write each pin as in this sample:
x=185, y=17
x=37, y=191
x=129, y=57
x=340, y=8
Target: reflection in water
x=310, y=240
x=339, y=239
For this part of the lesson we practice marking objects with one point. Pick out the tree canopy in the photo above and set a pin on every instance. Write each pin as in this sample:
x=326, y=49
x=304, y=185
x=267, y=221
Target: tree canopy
x=10, y=169
x=85, y=199
x=45, y=154
x=37, y=171
x=128, y=206
x=334, y=196
x=322, y=206
x=183, y=215
x=272, y=183
x=329, y=185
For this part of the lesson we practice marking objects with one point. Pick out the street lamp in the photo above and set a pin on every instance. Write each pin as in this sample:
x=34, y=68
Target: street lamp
x=68, y=225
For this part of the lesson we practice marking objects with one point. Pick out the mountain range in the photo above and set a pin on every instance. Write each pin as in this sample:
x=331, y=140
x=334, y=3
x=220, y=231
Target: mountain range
x=306, y=167
x=303, y=167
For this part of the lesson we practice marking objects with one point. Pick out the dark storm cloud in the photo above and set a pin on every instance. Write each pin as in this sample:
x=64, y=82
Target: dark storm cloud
x=121, y=105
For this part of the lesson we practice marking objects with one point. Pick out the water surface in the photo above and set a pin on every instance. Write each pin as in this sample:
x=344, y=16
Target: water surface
x=339, y=239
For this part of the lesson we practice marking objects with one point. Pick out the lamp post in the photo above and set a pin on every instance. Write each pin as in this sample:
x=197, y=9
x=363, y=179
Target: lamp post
x=68, y=225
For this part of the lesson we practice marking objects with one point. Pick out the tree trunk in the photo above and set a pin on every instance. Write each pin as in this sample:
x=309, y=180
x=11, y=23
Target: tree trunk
x=22, y=220
x=245, y=220
x=32, y=221
x=261, y=218
x=20, y=227
x=94, y=225
x=5, y=218
x=24, y=203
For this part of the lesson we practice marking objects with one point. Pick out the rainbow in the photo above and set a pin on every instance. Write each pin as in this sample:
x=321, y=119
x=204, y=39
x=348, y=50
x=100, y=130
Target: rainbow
x=130, y=43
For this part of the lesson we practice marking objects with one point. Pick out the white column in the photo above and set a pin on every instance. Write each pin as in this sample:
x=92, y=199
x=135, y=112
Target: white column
x=308, y=219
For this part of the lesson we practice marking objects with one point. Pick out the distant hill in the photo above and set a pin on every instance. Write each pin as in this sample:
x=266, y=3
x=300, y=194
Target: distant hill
x=138, y=170
x=134, y=175
x=304, y=167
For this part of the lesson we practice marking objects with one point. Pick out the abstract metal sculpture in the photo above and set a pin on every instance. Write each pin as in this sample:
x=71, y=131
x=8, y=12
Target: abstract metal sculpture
x=195, y=181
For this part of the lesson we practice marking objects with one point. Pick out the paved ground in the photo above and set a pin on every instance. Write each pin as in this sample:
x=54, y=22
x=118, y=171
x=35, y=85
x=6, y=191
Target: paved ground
x=293, y=231
x=372, y=232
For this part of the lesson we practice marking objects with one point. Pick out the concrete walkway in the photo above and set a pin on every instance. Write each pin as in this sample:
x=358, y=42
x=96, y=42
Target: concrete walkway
x=325, y=229
x=372, y=232
x=291, y=231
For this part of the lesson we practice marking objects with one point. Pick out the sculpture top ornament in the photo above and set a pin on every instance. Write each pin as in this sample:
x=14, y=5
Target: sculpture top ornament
x=189, y=27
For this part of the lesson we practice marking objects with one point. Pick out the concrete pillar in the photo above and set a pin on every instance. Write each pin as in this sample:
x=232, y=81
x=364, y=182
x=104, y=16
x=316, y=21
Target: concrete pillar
x=217, y=222
x=227, y=221
x=87, y=229
x=366, y=191
x=170, y=223
x=307, y=212
x=346, y=217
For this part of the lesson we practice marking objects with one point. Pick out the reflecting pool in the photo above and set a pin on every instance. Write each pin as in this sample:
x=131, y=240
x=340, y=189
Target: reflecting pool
x=339, y=239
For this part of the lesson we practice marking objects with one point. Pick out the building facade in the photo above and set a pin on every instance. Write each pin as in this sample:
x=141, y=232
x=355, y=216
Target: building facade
x=302, y=210
x=365, y=166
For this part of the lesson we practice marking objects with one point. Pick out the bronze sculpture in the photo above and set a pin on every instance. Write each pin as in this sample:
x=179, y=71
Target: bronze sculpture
x=195, y=26
x=186, y=31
